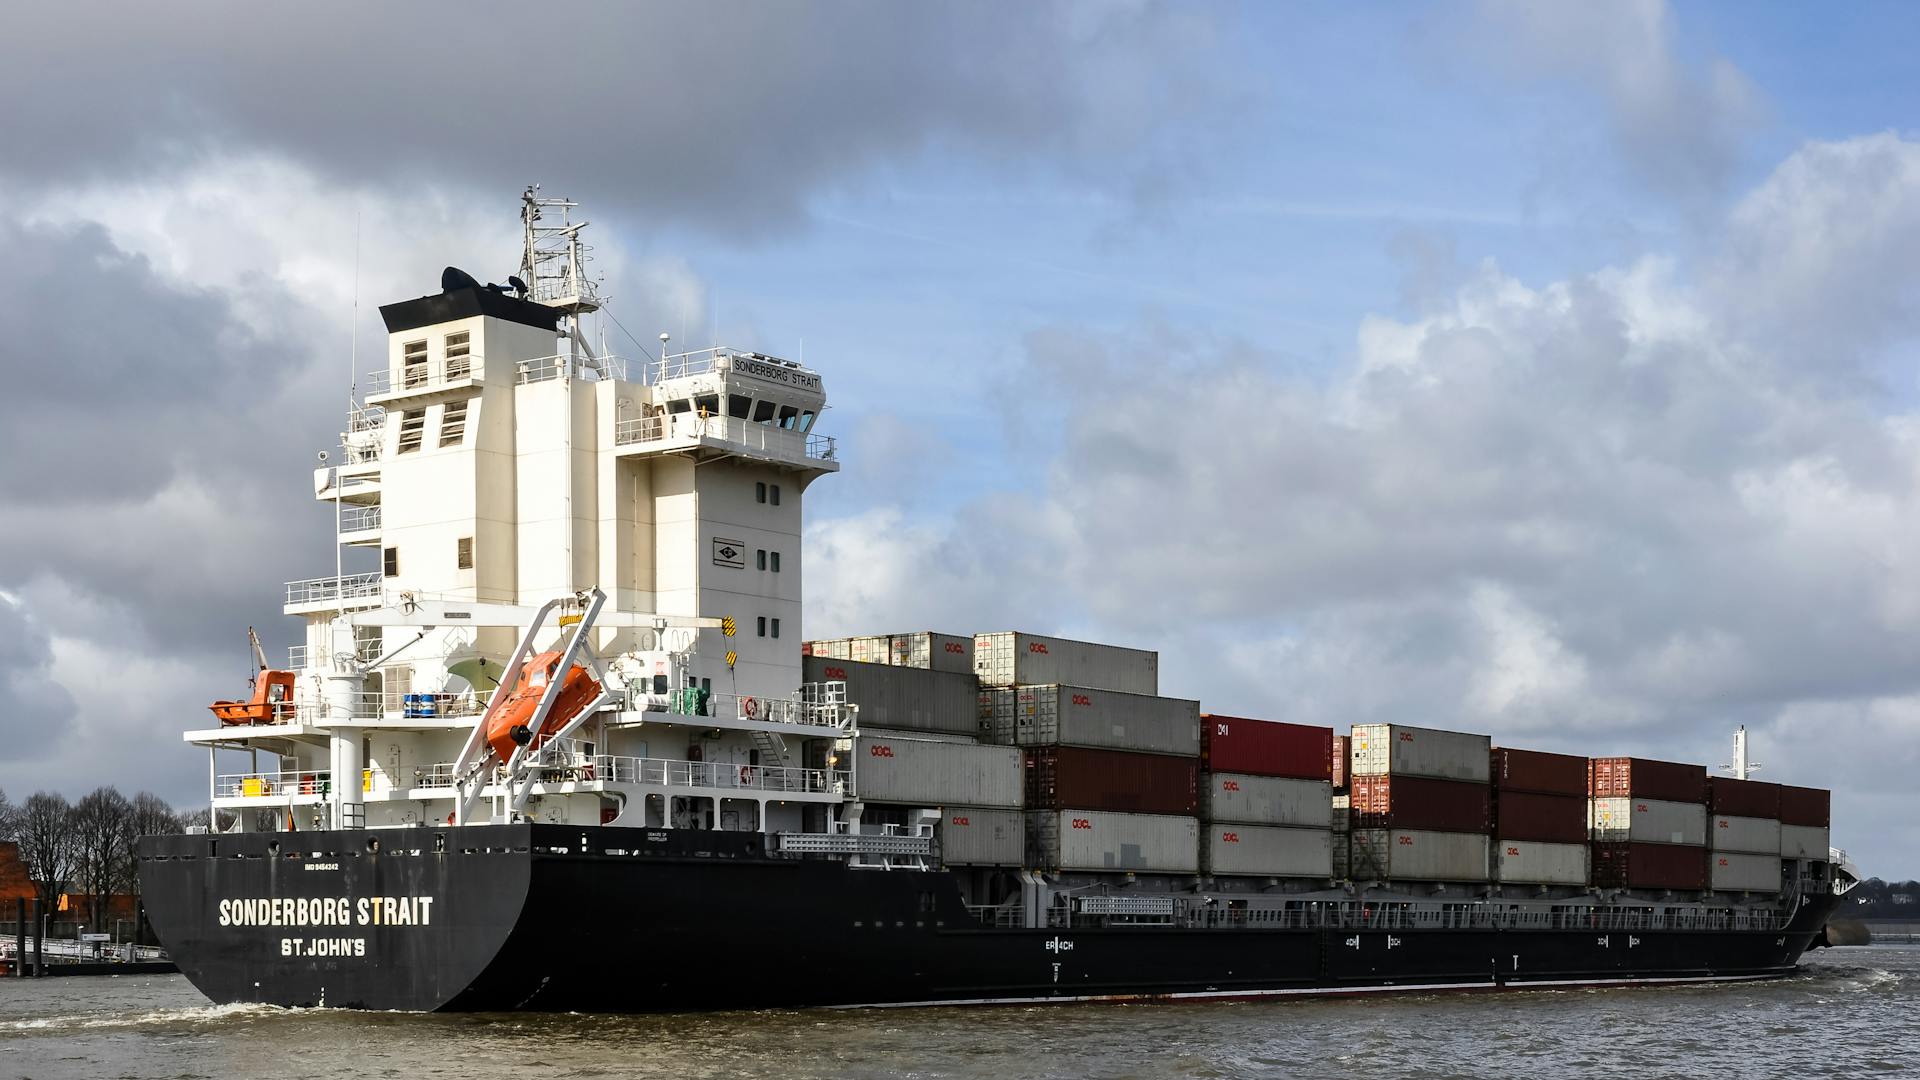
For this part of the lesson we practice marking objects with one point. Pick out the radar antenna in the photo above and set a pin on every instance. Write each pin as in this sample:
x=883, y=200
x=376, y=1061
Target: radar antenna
x=553, y=267
x=1741, y=767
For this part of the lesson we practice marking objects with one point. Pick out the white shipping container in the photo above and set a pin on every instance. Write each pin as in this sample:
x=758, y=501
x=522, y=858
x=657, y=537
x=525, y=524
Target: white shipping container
x=1009, y=658
x=925, y=773
x=1733, y=871
x=936, y=652
x=1760, y=836
x=1264, y=851
x=1083, y=716
x=902, y=699
x=871, y=649
x=1099, y=840
x=834, y=648
x=996, y=716
x=1418, y=855
x=982, y=836
x=1266, y=800
x=1805, y=842
x=1529, y=862
x=1648, y=820
x=1396, y=749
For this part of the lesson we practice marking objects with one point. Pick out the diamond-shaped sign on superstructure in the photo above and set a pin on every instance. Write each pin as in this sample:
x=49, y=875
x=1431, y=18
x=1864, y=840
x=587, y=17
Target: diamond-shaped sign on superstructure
x=727, y=627
x=731, y=657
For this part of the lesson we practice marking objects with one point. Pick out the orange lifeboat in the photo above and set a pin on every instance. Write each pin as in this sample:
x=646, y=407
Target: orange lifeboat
x=507, y=726
x=272, y=701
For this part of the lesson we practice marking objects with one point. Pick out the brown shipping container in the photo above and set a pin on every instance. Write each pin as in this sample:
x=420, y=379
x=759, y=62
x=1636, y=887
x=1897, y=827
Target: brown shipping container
x=1546, y=819
x=1624, y=865
x=1085, y=778
x=1419, y=802
x=1340, y=761
x=1806, y=806
x=1237, y=744
x=1640, y=778
x=1743, y=798
x=1538, y=771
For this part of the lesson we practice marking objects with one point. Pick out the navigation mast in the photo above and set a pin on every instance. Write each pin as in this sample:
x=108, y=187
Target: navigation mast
x=553, y=267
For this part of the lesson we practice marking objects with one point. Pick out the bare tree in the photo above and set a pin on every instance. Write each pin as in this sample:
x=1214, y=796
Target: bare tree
x=151, y=816
x=9, y=819
x=102, y=822
x=47, y=844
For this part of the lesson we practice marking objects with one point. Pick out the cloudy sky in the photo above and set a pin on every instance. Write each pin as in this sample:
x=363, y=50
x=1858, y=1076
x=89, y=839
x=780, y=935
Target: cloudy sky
x=1538, y=370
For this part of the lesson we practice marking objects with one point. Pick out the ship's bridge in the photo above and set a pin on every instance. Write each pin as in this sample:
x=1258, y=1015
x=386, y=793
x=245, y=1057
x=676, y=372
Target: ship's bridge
x=727, y=401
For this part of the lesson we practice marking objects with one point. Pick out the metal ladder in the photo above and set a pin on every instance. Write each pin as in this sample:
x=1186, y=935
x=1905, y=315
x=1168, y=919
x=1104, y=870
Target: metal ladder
x=773, y=749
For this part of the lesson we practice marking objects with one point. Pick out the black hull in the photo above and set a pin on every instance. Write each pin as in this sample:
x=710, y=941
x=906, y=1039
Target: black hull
x=495, y=918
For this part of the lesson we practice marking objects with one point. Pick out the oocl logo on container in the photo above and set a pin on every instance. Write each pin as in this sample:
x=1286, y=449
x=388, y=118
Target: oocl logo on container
x=961, y=821
x=1229, y=785
x=956, y=647
x=1082, y=823
x=836, y=673
x=1037, y=647
x=880, y=750
x=1229, y=837
x=1082, y=699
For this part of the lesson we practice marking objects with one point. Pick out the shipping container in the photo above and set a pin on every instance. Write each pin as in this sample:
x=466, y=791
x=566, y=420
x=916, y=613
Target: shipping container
x=996, y=713
x=982, y=836
x=1097, y=840
x=1342, y=811
x=1625, y=865
x=829, y=648
x=1531, y=862
x=1267, y=800
x=1733, y=871
x=1639, y=778
x=1342, y=856
x=1539, y=772
x=1805, y=842
x=1805, y=806
x=926, y=773
x=1264, y=851
x=1743, y=798
x=1760, y=836
x=1652, y=821
x=1419, y=802
x=1546, y=819
x=1015, y=659
x=934, y=651
x=1338, y=767
x=1418, y=855
x=902, y=699
x=1083, y=716
x=1399, y=750
x=1235, y=744
x=871, y=649
x=1097, y=779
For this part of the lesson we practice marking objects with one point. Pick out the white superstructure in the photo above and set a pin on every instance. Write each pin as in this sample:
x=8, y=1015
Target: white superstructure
x=495, y=462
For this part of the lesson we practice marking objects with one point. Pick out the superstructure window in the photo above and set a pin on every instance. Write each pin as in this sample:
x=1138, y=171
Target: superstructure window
x=707, y=404
x=459, y=360
x=773, y=494
x=453, y=424
x=761, y=628
x=776, y=628
x=775, y=556
x=760, y=559
x=463, y=555
x=739, y=405
x=763, y=412
x=413, y=429
x=760, y=492
x=390, y=561
x=413, y=363
x=789, y=416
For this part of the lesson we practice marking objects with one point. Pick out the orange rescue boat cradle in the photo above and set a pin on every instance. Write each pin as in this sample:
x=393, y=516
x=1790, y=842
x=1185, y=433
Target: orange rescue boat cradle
x=508, y=726
x=272, y=701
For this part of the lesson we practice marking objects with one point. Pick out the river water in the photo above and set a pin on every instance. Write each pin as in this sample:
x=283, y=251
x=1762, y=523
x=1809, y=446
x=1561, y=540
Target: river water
x=1851, y=1012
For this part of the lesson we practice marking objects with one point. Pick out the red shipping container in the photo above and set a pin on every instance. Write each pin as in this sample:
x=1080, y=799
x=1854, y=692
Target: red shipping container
x=1086, y=778
x=1419, y=802
x=1265, y=747
x=1743, y=798
x=1640, y=778
x=1539, y=771
x=1806, y=806
x=1546, y=819
x=1619, y=865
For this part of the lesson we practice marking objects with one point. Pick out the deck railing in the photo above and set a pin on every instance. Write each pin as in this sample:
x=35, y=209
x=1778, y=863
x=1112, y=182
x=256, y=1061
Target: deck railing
x=344, y=587
x=767, y=438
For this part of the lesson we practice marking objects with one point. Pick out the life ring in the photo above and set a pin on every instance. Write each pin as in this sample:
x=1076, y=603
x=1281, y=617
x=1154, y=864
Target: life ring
x=750, y=708
x=746, y=776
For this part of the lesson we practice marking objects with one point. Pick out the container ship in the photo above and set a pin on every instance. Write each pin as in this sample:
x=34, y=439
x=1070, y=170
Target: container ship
x=566, y=747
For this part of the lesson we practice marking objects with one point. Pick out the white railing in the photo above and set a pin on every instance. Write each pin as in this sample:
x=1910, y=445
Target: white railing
x=701, y=361
x=592, y=369
x=732, y=429
x=420, y=378
x=385, y=705
x=296, y=657
x=359, y=519
x=346, y=587
x=278, y=784
x=663, y=772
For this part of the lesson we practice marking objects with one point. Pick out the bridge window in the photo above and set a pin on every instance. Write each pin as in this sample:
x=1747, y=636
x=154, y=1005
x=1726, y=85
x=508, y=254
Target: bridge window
x=679, y=405
x=763, y=412
x=738, y=405
x=707, y=404
x=806, y=420
x=789, y=415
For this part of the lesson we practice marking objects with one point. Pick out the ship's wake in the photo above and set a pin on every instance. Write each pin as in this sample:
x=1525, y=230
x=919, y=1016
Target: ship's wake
x=94, y=1021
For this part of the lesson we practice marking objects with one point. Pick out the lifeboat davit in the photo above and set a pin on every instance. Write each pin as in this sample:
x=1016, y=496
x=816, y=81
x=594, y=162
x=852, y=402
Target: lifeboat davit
x=508, y=725
x=272, y=701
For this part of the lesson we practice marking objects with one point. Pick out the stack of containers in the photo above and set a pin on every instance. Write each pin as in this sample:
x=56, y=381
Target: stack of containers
x=1648, y=823
x=831, y=648
x=976, y=788
x=902, y=698
x=1337, y=770
x=1420, y=804
x=1267, y=808
x=1342, y=836
x=1743, y=833
x=1112, y=773
x=1539, y=818
x=922, y=649
x=1804, y=820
